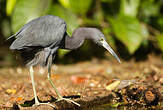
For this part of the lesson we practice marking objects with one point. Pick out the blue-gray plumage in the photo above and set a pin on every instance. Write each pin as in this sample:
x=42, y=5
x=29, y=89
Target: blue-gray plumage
x=39, y=40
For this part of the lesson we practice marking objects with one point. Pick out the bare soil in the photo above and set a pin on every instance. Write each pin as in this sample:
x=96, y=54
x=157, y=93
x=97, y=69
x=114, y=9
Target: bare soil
x=95, y=85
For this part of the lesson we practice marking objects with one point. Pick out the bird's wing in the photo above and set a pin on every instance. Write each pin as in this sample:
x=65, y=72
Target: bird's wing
x=19, y=31
x=42, y=31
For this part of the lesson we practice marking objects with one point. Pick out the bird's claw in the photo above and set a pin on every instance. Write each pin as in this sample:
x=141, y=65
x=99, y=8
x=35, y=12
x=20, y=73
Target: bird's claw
x=68, y=100
x=38, y=104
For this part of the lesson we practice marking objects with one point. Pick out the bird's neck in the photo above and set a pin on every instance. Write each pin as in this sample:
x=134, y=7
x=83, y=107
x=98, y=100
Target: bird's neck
x=77, y=38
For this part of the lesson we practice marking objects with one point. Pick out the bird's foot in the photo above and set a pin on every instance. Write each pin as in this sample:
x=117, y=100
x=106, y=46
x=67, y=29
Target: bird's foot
x=68, y=100
x=38, y=104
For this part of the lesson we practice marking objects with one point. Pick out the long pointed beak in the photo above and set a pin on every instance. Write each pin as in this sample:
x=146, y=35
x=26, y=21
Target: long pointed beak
x=106, y=46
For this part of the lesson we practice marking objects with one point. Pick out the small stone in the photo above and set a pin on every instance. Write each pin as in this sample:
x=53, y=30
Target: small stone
x=92, y=84
x=109, y=70
x=95, y=92
x=99, y=85
x=19, y=70
x=155, y=78
x=161, y=81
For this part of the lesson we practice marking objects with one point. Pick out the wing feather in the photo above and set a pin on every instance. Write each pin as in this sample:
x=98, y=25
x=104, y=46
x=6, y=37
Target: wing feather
x=42, y=31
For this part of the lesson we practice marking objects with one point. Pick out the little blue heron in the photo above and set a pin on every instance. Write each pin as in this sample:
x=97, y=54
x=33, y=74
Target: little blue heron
x=39, y=40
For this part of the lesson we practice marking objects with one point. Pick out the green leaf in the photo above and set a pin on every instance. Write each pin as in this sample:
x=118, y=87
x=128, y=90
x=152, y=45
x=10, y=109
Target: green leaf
x=65, y=3
x=69, y=17
x=160, y=41
x=129, y=7
x=77, y=6
x=10, y=6
x=26, y=10
x=128, y=31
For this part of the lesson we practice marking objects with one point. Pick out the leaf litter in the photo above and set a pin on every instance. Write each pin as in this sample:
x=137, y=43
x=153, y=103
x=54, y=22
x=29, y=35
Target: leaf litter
x=130, y=84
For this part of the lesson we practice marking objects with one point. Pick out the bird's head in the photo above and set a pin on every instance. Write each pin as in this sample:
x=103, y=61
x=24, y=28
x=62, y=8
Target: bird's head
x=99, y=38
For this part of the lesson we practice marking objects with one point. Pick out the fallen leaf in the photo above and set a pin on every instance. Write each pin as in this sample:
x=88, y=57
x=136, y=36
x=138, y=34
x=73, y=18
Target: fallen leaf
x=11, y=91
x=19, y=99
x=78, y=79
x=113, y=85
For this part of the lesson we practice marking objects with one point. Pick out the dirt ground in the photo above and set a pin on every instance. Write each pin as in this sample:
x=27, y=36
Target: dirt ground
x=95, y=85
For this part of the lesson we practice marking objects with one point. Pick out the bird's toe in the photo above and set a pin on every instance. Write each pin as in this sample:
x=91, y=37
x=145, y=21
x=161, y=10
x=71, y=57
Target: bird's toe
x=38, y=104
x=68, y=100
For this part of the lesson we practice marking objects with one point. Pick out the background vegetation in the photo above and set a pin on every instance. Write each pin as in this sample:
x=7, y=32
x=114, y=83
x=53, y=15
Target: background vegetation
x=132, y=27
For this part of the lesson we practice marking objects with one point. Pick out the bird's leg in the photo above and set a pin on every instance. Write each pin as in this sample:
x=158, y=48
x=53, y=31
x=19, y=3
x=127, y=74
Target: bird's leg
x=34, y=89
x=33, y=84
x=51, y=82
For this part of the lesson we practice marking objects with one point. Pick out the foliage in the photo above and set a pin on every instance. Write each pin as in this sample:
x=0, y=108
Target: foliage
x=128, y=31
x=77, y=6
x=132, y=22
x=10, y=6
x=65, y=14
x=26, y=10
x=160, y=41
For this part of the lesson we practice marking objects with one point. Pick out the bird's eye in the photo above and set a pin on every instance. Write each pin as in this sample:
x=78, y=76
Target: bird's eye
x=101, y=39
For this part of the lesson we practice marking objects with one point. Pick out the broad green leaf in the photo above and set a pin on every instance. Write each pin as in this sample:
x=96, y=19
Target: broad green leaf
x=128, y=31
x=160, y=41
x=77, y=6
x=69, y=17
x=129, y=7
x=26, y=10
x=65, y=3
x=10, y=6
